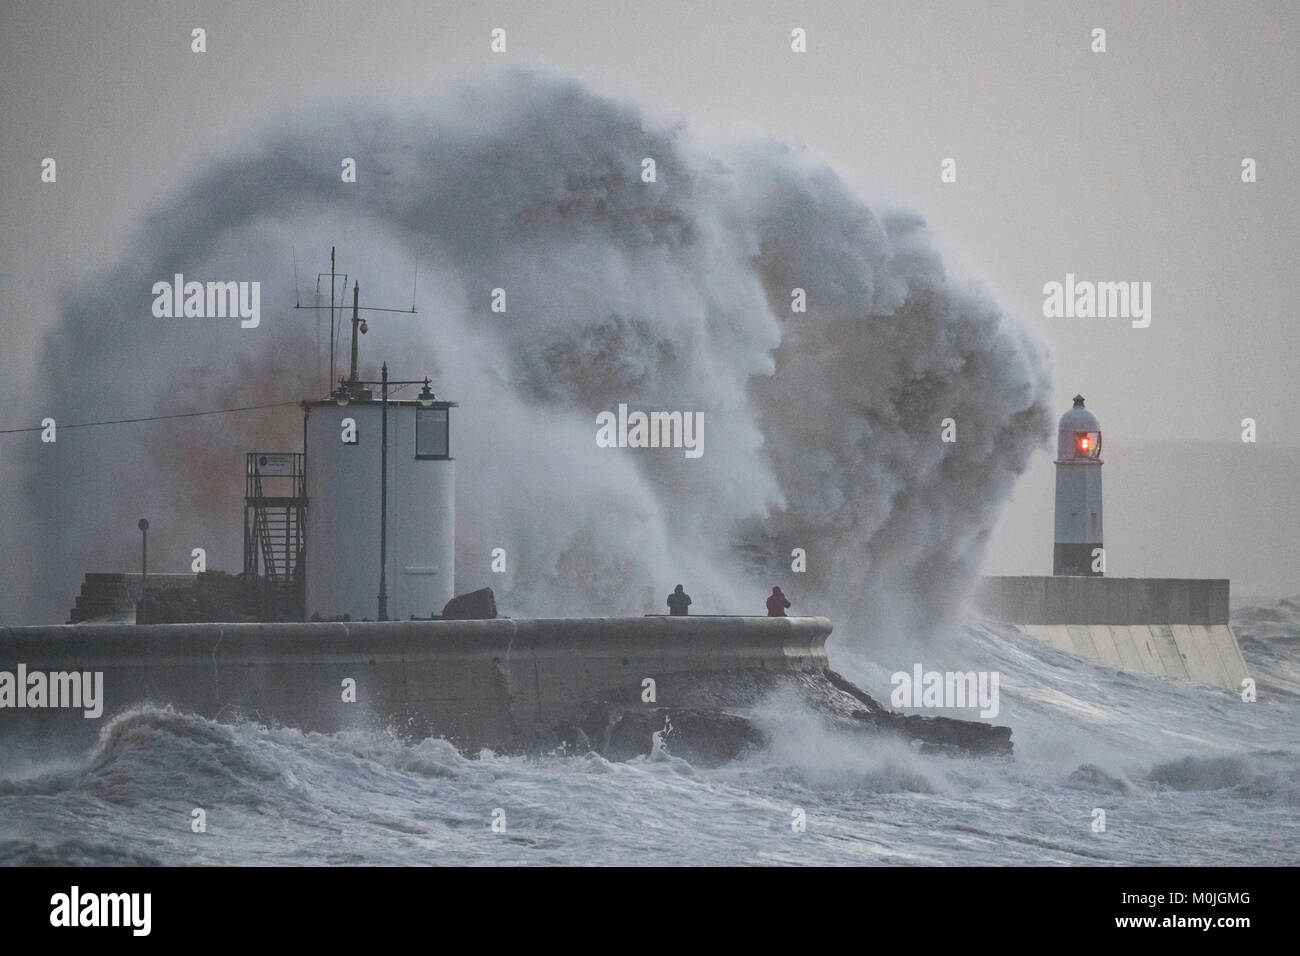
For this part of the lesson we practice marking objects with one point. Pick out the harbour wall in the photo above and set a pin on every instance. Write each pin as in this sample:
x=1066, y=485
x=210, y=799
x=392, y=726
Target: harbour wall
x=478, y=683
x=1167, y=627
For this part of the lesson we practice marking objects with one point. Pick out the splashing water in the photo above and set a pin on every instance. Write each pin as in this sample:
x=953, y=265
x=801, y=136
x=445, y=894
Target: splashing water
x=822, y=426
x=1186, y=774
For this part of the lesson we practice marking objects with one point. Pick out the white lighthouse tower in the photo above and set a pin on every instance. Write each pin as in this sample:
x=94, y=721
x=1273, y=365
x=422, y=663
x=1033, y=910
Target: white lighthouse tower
x=1078, y=494
x=380, y=488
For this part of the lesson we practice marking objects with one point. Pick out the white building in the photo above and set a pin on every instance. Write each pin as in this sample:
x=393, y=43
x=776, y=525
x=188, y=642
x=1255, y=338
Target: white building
x=343, y=442
x=1078, y=493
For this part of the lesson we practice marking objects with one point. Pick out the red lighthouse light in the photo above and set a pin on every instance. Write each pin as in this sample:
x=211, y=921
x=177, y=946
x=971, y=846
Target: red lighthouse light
x=1087, y=444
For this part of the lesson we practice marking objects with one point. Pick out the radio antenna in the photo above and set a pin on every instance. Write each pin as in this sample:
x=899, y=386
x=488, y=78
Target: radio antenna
x=415, y=278
x=358, y=324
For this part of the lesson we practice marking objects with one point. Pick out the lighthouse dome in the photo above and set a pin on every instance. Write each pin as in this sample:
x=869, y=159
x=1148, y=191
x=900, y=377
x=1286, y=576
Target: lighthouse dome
x=1079, y=434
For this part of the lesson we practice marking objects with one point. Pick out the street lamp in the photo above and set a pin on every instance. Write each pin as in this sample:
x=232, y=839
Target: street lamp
x=383, y=499
x=143, y=525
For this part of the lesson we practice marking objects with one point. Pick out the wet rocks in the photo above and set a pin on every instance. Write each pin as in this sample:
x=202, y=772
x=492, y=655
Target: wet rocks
x=477, y=605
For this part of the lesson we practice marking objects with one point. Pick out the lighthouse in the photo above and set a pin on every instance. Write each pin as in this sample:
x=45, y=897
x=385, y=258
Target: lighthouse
x=1166, y=627
x=1077, y=549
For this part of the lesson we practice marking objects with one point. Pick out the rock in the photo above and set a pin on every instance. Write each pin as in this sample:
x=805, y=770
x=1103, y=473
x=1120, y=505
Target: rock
x=477, y=605
x=1091, y=777
x=702, y=738
x=711, y=716
x=946, y=735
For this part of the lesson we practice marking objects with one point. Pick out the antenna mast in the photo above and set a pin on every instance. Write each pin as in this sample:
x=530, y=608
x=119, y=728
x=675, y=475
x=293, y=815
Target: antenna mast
x=331, y=315
x=415, y=278
x=356, y=321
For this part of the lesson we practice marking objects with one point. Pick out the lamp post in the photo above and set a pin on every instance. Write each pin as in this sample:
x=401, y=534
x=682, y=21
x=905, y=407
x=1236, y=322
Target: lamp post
x=143, y=525
x=383, y=495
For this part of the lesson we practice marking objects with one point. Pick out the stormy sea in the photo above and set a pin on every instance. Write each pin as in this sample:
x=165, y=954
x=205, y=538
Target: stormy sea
x=828, y=337
x=1185, y=774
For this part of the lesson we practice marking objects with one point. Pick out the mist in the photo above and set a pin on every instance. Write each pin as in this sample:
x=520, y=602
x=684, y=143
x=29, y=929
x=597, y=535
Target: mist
x=823, y=427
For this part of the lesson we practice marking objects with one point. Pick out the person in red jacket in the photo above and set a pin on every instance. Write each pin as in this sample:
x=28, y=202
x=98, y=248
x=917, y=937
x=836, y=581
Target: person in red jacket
x=776, y=604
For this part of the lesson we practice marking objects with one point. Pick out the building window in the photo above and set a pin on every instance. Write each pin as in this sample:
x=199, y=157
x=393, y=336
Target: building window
x=431, y=433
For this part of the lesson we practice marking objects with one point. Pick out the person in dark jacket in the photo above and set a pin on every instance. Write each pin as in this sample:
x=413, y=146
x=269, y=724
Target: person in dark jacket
x=776, y=604
x=678, y=602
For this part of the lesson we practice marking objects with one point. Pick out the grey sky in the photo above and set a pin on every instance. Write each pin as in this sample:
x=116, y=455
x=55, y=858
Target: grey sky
x=1115, y=166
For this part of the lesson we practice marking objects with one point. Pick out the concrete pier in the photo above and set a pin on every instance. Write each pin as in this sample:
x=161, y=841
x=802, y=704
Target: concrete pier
x=478, y=683
x=1168, y=627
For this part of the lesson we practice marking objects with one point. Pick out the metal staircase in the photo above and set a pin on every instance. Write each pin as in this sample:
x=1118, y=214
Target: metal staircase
x=275, y=505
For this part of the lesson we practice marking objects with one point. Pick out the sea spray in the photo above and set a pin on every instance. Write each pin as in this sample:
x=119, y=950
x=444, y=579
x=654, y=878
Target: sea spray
x=824, y=423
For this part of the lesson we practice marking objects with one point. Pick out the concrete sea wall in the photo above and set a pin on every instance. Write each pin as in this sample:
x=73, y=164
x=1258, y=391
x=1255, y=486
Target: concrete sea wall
x=1098, y=600
x=1168, y=627
x=479, y=683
